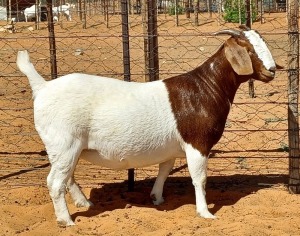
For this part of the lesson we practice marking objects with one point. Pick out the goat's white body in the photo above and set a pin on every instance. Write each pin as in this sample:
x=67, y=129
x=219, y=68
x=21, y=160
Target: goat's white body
x=30, y=12
x=125, y=125
x=62, y=10
x=3, y=13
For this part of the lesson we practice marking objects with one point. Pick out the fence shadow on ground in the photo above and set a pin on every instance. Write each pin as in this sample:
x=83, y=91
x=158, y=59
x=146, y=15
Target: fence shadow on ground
x=221, y=191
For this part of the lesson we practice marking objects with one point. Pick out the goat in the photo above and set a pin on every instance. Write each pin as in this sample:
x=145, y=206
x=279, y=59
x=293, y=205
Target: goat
x=32, y=12
x=123, y=125
x=3, y=13
x=62, y=10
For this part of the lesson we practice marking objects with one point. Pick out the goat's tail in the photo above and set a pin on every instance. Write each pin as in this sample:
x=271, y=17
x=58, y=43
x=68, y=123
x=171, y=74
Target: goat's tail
x=26, y=67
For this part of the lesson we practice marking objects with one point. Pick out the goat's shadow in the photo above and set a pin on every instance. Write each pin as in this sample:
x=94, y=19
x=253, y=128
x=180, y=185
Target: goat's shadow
x=178, y=191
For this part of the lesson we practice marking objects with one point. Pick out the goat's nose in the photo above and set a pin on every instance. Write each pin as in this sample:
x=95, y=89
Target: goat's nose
x=272, y=69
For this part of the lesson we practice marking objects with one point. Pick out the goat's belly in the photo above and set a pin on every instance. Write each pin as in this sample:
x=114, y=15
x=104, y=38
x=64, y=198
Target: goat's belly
x=139, y=160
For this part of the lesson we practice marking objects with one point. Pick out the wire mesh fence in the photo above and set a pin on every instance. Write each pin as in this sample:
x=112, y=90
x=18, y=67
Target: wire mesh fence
x=255, y=140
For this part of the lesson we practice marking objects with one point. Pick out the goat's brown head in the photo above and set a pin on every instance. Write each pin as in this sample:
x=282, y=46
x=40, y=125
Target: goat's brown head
x=248, y=54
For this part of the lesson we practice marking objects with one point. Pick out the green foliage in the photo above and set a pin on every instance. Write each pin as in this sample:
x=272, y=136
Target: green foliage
x=172, y=9
x=231, y=9
x=284, y=147
x=241, y=163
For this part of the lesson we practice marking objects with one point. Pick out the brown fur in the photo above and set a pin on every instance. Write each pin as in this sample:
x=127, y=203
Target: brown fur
x=201, y=99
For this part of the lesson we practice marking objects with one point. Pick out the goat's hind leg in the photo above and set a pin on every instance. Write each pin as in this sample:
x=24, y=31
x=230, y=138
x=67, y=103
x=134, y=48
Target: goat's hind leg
x=62, y=169
x=56, y=182
x=163, y=173
x=77, y=195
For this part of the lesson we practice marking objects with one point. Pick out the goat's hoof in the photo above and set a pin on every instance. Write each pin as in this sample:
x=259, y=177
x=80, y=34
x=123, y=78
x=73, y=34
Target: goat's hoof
x=64, y=223
x=85, y=203
x=207, y=215
x=156, y=201
x=90, y=204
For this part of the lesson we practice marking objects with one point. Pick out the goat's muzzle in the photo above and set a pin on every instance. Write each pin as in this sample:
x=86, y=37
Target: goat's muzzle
x=268, y=75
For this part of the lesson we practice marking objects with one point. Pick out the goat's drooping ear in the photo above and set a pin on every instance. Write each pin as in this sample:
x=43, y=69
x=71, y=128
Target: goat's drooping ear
x=238, y=57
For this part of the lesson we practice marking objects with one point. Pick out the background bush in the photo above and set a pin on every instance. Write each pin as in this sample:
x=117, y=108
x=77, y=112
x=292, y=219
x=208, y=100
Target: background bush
x=231, y=9
x=172, y=9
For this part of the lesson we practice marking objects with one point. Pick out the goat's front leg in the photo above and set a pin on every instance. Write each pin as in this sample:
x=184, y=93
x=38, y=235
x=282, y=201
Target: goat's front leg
x=163, y=173
x=197, y=165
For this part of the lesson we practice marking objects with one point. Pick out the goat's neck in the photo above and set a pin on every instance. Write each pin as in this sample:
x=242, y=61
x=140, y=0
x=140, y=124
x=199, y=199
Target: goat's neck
x=219, y=76
x=201, y=100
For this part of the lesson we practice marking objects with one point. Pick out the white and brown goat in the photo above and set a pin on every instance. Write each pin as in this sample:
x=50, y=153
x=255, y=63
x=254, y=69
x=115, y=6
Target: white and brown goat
x=123, y=125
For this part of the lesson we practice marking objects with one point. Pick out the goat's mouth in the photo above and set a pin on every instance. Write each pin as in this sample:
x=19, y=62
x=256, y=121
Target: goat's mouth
x=267, y=75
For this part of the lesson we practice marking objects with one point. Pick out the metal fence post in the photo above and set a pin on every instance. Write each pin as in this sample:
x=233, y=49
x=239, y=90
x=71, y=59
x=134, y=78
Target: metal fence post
x=51, y=40
x=293, y=91
x=152, y=41
x=126, y=65
x=248, y=24
x=125, y=39
x=37, y=15
x=149, y=14
x=196, y=12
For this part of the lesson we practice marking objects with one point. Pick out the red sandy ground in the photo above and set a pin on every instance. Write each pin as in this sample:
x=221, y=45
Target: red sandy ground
x=241, y=210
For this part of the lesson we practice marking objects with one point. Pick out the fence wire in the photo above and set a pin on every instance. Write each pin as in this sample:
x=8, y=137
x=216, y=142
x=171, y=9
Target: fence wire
x=255, y=139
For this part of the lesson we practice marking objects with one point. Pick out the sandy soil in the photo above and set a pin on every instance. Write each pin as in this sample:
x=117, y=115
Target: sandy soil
x=244, y=205
x=247, y=184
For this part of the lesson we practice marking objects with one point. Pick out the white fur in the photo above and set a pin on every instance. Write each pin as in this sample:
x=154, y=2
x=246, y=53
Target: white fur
x=3, y=13
x=157, y=190
x=30, y=13
x=106, y=108
x=109, y=122
x=261, y=49
x=62, y=10
x=197, y=164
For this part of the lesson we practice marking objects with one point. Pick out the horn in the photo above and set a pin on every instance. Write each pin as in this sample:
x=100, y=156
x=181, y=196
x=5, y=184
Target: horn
x=231, y=32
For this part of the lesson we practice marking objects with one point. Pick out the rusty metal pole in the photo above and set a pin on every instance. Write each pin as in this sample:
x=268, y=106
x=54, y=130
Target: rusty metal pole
x=293, y=93
x=248, y=24
x=125, y=39
x=152, y=41
x=144, y=11
x=187, y=9
x=149, y=15
x=196, y=12
x=52, y=46
x=126, y=66
x=84, y=15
